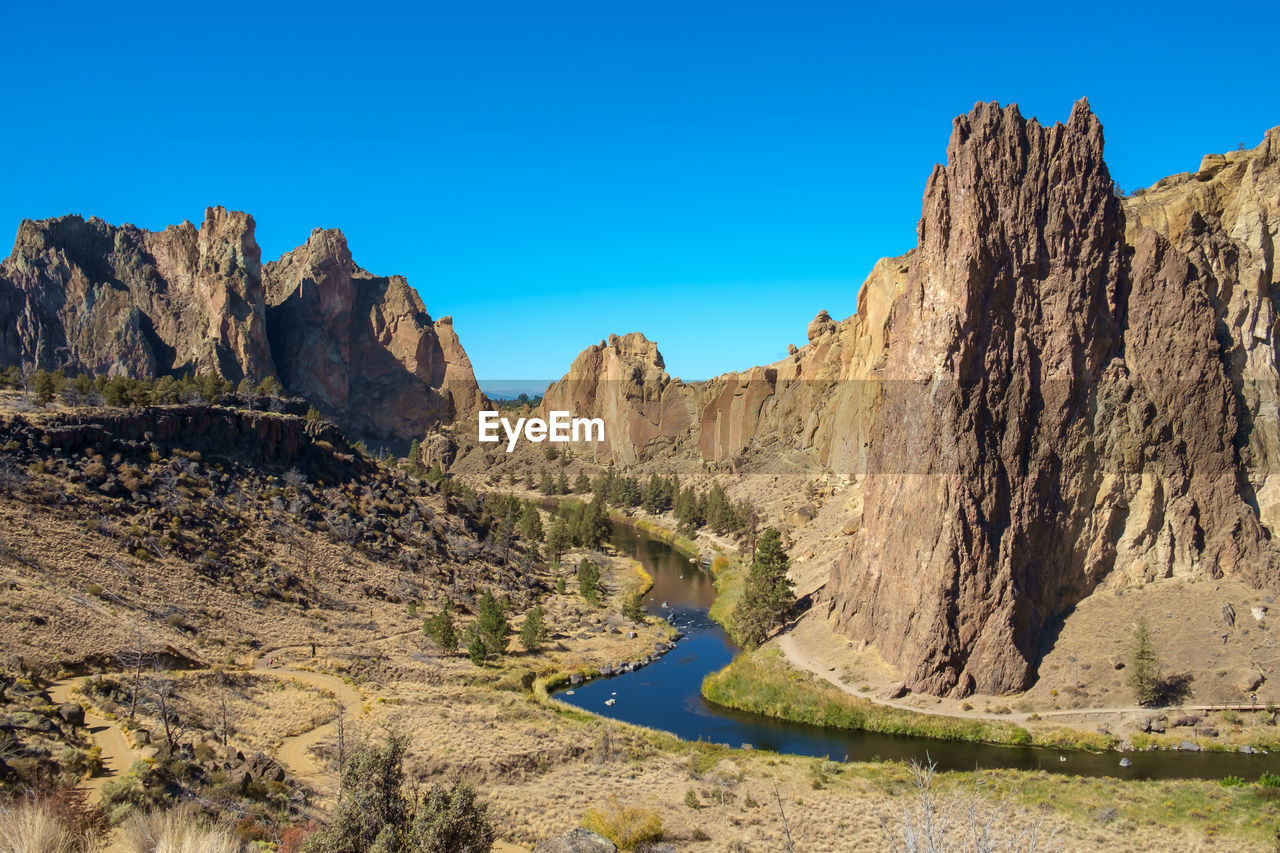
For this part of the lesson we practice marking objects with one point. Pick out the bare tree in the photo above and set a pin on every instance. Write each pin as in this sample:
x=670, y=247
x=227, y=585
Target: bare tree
x=786, y=827
x=342, y=744
x=163, y=697
x=222, y=710
x=134, y=661
x=960, y=820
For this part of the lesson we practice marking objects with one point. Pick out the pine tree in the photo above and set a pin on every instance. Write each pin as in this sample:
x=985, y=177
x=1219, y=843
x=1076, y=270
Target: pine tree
x=476, y=649
x=413, y=462
x=531, y=523
x=492, y=625
x=1144, y=666
x=768, y=596
x=44, y=386
x=269, y=387
x=589, y=580
x=441, y=630
x=533, y=633
x=594, y=527
x=559, y=539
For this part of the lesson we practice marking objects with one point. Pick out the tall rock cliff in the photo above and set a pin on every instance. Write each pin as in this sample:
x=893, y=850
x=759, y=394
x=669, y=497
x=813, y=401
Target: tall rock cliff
x=1055, y=407
x=362, y=347
x=1054, y=389
x=88, y=296
x=624, y=382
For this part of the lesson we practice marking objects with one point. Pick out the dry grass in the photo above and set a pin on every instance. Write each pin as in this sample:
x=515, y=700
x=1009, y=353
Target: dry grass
x=32, y=826
x=260, y=710
x=178, y=830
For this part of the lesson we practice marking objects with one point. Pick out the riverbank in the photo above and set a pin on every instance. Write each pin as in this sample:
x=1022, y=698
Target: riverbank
x=865, y=694
x=809, y=646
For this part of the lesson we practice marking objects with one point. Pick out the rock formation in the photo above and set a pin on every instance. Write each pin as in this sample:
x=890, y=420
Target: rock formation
x=624, y=381
x=1055, y=398
x=1055, y=388
x=88, y=296
x=361, y=347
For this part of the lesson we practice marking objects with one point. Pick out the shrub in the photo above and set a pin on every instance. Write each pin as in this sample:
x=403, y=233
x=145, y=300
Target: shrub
x=376, y=815
x=1233, y=782
x=626, y=826
x=1269, y=780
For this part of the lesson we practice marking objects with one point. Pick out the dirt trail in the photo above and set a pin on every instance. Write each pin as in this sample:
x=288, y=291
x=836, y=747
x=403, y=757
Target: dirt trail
x=117, y=755
x=294, y=753
x=801, y=659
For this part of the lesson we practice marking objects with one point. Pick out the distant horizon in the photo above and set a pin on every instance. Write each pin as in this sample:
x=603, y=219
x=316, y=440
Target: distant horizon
x=710, y=174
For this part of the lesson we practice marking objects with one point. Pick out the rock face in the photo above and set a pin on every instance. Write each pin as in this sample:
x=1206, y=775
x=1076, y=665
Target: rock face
x=361, y=347
x=624, y=382
x=1066, y=399
x=1055, y=387
x=88, y=296
x=91, y=296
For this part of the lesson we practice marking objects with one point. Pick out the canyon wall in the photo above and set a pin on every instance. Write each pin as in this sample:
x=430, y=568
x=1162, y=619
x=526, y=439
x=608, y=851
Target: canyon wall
x=86, y=296
x=1055, y=388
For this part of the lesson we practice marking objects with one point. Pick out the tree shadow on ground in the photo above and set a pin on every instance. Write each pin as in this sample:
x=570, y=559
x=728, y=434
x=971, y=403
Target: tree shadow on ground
x=1174, y=689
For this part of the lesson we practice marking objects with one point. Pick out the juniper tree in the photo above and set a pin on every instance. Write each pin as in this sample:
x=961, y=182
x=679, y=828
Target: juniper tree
x=768, y=595
x=376, y=814
x=531, y=523
x=491, y=625
x=533, y=633
x=1144, y=666
x=441, y=630
x=589, y=580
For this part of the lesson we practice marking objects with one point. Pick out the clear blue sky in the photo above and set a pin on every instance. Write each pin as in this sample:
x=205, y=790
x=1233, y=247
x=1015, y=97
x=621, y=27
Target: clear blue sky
x=548, y=172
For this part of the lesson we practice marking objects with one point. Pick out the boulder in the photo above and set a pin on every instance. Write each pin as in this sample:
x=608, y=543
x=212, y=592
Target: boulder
x=72, y=713
x=578, y=840
x=896, y=690
x=1251, y=682
x=821, y=325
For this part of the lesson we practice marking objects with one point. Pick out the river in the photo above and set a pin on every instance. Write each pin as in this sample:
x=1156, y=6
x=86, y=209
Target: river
x=667, y=695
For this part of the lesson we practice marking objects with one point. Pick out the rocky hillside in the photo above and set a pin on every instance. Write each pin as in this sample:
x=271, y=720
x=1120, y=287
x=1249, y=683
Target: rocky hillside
x=1058, y=387
x=86, y=296
x=214, y=529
